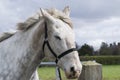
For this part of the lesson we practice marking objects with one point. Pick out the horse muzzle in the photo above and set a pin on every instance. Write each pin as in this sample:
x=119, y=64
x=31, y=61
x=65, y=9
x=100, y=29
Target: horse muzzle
x=73, y=74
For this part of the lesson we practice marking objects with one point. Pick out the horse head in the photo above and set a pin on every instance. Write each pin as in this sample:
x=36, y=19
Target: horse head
x=59, y=41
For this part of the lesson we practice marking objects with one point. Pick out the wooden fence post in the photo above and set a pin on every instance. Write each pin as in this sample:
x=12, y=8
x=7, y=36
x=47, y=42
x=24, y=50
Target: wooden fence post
x=91, y=71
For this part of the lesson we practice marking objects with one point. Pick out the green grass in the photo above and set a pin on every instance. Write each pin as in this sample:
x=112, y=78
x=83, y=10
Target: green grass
x=48, y=73
x=110, y=72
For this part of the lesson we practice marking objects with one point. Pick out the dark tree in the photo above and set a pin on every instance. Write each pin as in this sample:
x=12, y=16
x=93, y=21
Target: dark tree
x=86, y=50
x=104, y=50
x=119, y=48
x=111, y=49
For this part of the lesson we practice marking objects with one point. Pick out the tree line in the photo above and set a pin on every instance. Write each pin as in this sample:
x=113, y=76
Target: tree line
x=105, y=49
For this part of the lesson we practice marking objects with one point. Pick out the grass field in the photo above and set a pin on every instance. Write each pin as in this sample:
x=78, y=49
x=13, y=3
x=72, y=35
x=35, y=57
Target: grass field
x=111, y=72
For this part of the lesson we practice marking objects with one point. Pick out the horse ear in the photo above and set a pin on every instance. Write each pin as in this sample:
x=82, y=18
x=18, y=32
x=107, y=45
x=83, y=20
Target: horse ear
x=66, y=10
x=46, y=15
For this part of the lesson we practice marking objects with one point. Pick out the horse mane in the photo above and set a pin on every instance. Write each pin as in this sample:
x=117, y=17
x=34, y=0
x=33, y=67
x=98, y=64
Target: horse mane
x=34, y=19
x=6, y=35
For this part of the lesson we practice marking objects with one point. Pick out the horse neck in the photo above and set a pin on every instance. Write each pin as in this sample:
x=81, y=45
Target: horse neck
x=21, y=53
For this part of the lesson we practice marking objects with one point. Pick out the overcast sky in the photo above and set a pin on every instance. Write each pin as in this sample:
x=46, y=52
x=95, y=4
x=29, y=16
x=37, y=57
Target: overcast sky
x=94, y=21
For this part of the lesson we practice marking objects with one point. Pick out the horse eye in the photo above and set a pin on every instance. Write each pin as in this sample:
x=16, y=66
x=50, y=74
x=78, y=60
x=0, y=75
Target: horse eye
x=57, y=37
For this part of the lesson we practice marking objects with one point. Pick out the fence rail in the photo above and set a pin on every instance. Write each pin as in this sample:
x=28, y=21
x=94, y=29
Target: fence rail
x=47, y=64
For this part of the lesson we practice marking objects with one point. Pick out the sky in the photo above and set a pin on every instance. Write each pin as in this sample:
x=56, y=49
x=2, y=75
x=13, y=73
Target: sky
x=94, y=21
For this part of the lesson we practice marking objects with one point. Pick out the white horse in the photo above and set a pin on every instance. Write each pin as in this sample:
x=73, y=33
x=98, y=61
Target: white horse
x=47, y=34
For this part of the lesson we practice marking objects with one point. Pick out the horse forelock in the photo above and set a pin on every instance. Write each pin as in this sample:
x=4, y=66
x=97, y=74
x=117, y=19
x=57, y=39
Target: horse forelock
x=60, y=15
x=38, y=16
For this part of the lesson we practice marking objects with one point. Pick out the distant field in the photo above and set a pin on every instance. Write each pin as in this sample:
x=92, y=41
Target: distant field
x=110, y=72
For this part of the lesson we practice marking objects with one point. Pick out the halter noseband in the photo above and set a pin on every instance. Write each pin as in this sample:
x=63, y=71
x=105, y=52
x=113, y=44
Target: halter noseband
x=51, y=50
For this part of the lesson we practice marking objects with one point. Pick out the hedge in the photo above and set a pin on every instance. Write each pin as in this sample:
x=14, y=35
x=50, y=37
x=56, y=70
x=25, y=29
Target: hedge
x=106, y=60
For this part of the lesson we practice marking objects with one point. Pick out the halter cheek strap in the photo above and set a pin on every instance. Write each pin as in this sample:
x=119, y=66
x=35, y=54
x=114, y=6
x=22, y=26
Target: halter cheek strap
x=46, y=41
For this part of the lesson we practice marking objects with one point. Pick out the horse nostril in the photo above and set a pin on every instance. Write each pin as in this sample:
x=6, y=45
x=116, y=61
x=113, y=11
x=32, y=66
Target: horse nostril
x=72, y=69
